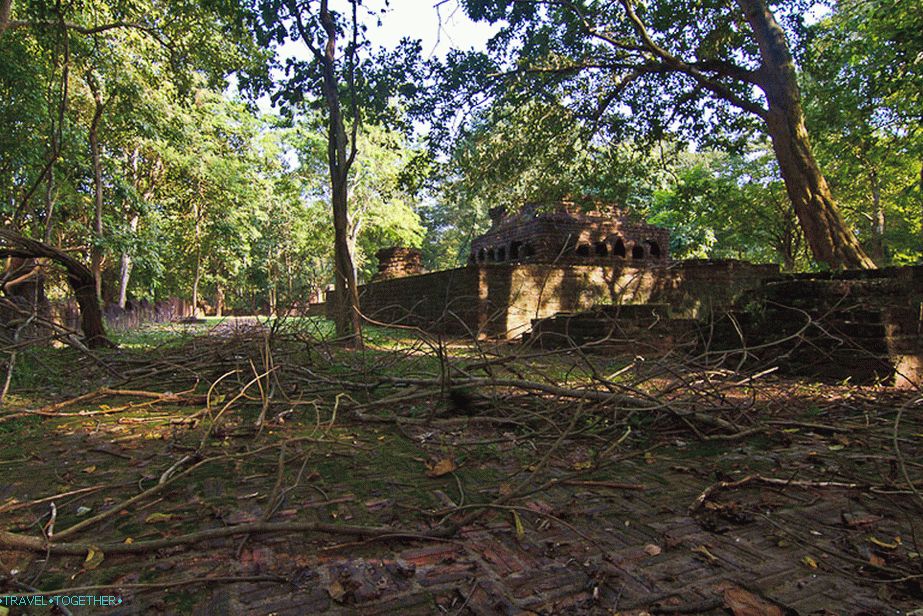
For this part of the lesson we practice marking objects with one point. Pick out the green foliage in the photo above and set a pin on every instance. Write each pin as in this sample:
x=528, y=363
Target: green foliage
x=863, y=85
x=729, y=206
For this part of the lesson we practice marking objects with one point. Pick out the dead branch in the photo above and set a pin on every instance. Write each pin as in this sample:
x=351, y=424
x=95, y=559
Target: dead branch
x=773, y=481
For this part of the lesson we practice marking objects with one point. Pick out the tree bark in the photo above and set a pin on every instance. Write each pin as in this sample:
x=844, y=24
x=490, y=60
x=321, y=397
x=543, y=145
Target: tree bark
x=825, y=230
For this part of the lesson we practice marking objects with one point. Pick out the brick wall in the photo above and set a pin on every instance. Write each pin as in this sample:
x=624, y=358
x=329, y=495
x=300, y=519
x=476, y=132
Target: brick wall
x=502, y=299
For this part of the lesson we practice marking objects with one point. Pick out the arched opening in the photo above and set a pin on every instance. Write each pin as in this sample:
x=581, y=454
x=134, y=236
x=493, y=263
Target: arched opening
x=491, y=255
x=482, y=255
x=583, y=250
x=618, y=249
x=515, y=250
x=637, y=251
x=653, y=248
x=501, y=254
x=601, y=249
x=528, y=251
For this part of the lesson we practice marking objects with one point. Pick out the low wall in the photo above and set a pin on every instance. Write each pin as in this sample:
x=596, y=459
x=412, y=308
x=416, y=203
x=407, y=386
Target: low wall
x=135, y=313
x=502, y=299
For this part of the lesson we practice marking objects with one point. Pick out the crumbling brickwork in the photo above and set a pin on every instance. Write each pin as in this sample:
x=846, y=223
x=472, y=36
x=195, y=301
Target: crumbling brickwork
x=397, y=262
x=563, y=234
x=503, y=299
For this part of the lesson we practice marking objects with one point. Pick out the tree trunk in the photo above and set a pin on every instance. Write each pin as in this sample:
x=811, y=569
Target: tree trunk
x=878, y=221
x=195, y=284
x=825, y=230
x=125, y=267
x=49, y=205
x=6, y=11
x=96, y=252
x=219, y=301
x=347, y=317
x=197, y=275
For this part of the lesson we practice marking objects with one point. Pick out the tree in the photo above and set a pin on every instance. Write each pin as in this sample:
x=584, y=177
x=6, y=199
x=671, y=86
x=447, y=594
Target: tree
x=862, y=79
x=712, y=65
x=71, y=58
x=320, y=30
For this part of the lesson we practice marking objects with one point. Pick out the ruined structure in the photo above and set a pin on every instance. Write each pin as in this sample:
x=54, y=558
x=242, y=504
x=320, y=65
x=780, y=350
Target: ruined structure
x=563, y=234
x=559, y=277
x=398, y=262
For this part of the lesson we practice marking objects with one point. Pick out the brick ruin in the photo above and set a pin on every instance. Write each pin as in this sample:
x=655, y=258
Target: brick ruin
x=398, y=262
x=562, y=233
x=558, y=276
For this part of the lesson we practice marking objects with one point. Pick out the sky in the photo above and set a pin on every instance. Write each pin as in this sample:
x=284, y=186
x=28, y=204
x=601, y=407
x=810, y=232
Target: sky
x=439, y=27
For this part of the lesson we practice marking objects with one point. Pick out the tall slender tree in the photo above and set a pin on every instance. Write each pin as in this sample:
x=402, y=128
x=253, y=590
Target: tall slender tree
x=333, y=72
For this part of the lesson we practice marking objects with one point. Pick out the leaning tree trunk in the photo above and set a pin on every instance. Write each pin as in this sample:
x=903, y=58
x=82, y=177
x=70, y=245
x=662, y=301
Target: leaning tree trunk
x=829, y=237
x=79, y=277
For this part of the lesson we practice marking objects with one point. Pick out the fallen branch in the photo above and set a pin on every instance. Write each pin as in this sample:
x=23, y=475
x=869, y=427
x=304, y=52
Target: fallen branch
x=38, y=544
x=773, y=481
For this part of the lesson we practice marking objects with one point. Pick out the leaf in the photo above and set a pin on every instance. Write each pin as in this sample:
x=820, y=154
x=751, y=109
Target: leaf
x=128, y=540
x=89, y=469
x=517, y=522
x=809, y=562
x=701, y=549
x=582, y=466
x=652, y=550
x=4, y=611
x=442, y=467
x=94, y=558
x=835, y=447
x=744, y=603
x=158, y=517
x=876, y=561
x=883, y=544
x=336, y=591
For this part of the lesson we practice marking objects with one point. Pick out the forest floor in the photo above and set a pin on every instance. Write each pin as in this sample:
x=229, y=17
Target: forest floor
x=236, y=468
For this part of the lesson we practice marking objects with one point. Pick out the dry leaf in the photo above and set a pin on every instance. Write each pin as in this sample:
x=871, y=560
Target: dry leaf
x=505, y=489
x=336, y=591
x=517, y=522
x=158, y=517
x=884, y=544
x=704, y=552
x=876, y=561
x=94, y=558
x=809, y=562
x=128, y=540
x=652, y=550
x=743, y=603
x=582, y=466
x=442, y=467
x=89, y=469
